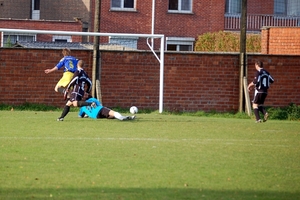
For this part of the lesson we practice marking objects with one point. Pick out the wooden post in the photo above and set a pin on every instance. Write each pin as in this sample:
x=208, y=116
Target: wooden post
x=96, y=52
x=243, y=32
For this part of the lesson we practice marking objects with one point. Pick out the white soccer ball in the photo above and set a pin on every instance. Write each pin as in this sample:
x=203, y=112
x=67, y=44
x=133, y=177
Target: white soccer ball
x=133, y=109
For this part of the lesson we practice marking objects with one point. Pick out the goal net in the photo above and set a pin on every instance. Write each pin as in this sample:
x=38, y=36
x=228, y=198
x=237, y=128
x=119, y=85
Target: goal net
x=108, y=41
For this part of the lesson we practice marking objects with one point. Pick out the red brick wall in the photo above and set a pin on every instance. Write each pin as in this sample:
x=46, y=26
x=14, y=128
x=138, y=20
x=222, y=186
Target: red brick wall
x=23, y=79
x=193, y=81
x=43, y=25
x=260, y=7
x=208, y=15
x=281, y=40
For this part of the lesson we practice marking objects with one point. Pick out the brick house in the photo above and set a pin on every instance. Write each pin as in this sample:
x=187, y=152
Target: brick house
x=11, y=38
x=181, y=21
x=44, y=15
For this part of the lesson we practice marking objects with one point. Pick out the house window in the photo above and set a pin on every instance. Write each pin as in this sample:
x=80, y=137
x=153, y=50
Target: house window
x=180, y=5
x=280, y=7
x=35, y=9
x=124, y=42
x=61, y=38
x=180, y=43
x=11, y=38
x=122, y=4
x=233, y=6
x=36, y=4
x=287, y=7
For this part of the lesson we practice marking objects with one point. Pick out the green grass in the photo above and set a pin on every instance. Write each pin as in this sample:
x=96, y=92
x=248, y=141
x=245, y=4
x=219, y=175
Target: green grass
x=154, y=157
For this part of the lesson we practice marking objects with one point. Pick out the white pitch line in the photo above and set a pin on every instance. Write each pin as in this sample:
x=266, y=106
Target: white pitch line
x=262, y=143
x=132, y=139
x=138, y=139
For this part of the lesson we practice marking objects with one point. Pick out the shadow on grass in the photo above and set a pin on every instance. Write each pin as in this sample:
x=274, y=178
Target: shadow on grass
x=141, y=194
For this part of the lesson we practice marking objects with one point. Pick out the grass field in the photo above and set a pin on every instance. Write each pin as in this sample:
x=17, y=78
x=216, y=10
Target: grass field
x=154, y=157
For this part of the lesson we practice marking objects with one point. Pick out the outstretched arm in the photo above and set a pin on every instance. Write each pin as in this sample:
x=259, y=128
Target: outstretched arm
x=47, y=71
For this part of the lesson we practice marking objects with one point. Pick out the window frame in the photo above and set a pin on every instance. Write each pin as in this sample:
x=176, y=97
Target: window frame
x=179, y=5
x=129, y=42
x=180, y=42
x=286, y=8
x=7, y=34
x=231, y=9
x=278, y=7
x=122, y=8
x=35, y=10
x=61, y=38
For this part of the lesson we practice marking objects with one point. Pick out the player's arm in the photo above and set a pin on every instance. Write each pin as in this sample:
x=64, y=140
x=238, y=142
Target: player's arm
x=81, y=113
x=254, y=82
x=47, y=71
x=89, y=85
x=271, y=79
x=250, y=86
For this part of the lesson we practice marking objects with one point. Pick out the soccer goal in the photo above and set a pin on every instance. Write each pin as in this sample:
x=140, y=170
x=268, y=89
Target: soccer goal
x=114, y=41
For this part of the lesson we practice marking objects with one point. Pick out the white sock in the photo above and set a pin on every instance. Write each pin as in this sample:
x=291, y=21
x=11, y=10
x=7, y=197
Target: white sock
x=118, y=116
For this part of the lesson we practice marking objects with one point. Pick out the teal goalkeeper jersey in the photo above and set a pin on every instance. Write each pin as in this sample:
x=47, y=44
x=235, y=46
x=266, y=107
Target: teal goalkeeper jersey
x=91, y=112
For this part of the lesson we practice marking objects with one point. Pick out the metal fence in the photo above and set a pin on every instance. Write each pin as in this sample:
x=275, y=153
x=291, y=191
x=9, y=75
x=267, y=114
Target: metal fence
x=256, y=22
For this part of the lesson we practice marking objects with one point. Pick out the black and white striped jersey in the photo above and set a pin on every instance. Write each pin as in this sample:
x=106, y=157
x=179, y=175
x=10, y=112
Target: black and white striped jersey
x=262, y=80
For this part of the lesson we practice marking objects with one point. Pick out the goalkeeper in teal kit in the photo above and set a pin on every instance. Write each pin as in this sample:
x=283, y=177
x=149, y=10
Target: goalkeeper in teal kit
x=99, y=111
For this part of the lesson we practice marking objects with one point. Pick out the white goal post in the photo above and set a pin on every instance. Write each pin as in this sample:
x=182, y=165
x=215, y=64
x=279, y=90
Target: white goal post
x=160, y=58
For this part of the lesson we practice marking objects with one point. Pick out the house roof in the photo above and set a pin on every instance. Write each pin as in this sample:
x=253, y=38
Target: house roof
x=70, y=45
x=53, y=45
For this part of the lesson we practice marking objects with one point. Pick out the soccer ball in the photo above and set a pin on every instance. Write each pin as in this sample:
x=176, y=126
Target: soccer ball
x=133, y=109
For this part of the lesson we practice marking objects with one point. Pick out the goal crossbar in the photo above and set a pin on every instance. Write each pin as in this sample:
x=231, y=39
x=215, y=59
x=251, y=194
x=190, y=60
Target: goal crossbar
x=152, y=36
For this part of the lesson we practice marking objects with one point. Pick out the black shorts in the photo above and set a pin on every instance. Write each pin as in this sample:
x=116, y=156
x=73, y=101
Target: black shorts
x=259, y=98
x=103, y=113
x=75, y=96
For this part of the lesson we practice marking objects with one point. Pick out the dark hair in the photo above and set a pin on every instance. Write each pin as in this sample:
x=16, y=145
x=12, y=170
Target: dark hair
x=259, y=63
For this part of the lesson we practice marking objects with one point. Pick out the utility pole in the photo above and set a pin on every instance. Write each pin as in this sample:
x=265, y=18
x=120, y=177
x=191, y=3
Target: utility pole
x=243, y=62
x=96, y=52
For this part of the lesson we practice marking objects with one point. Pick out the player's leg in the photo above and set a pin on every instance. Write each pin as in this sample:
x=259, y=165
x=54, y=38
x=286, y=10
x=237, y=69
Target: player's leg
x=255, y=106
x=63, y=82
x=65, y=111
x=77, y=100
x=256, y=112
x=118, y=116
x=84, y=103
x=59, y=88
x=261, y=107
x=110, y=114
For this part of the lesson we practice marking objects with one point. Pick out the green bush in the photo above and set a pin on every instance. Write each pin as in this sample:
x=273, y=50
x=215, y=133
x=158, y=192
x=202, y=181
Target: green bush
x=227, y=42
x=291, y=112
x=29, y=107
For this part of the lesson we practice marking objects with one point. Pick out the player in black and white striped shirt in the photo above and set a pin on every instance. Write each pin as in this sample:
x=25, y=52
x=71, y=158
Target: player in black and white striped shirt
x=79, y=83
x=261, y=81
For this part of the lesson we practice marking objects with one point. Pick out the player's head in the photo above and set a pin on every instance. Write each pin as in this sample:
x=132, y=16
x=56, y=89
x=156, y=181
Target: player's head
x=66, y=51
x=80, y=64
x=259, y=64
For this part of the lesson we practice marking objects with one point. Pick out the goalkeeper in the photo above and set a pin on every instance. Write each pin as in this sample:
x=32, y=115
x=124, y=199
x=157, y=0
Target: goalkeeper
x=100, y=111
